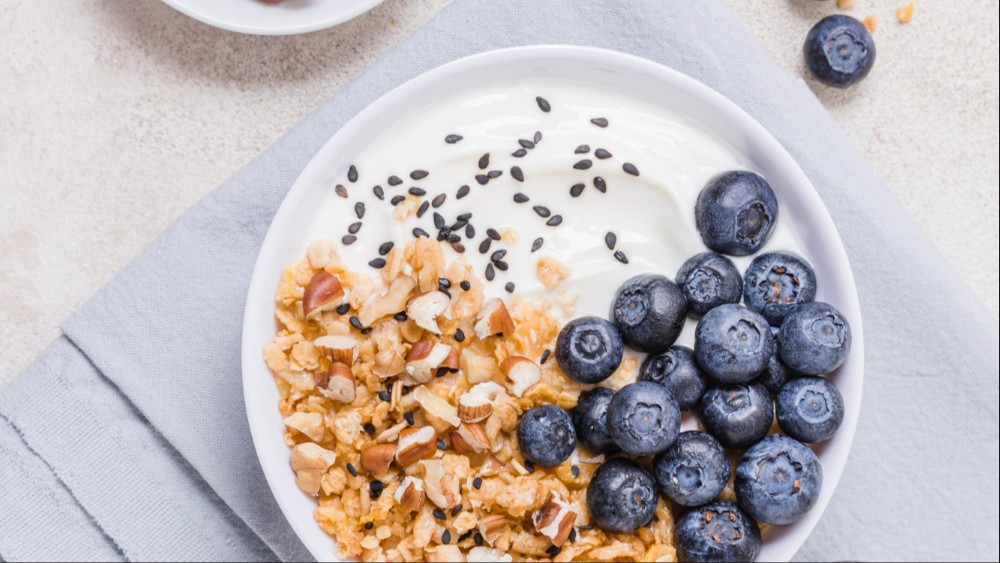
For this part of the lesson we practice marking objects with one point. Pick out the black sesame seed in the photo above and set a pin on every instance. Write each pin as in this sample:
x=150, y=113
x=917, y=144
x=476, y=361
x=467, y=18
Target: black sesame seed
x=478, y=538
x=582, y=149
x=350, y=469
x=438, y=200
x=526, y=143
x=406, y=390
x=490, y=273
x=367, y=330
x=583, y=164
x=385, y=247
x=602, y=154
x=538, y=137
x=611, y=239
x=419, y=174
x=341, y=191
x=458, y=247
x=543, y=104
x=408, y=417
x=572, y=536
x=452, y=139
x=459, y=335
x=444, y=283
x=484, y=246
x=397, y=199
x=439, y=514
x=462, y=192
x=418, y=232
x=441, y=372
x=501, y=265
x=356, y=322
x=576, y=190
x=554, y=220
x=537, y=244
x=401, y=316
x=477, y=483
x=457, y=510
x=348, y=240
x=446, y=537
x=441, y=445
x=516, y=172
x=553, y=551
x=369, y=525
x=377, y=263
x=545, y=356
x=419, y=192
x=585, y=527
x=394, y=180
x=379, y=192
x=343, y=308
x=464, y=217
x=509, y=287
x=600, y=184
x=470, y=231
x=520, y=198
x=498, y=255
x=493, y=233
x=369, y=428
x=542, y=211
x=352, y=174
x=529, y=466
x=465, y=536
x=484, y=161
x=376, y=487
x=519, y=153
x=494, y=174
x=439, y=221
x=384, y=395
x=482, y=179
x=354, y=227
x=599, y=121
x=620, y=256
x=575, y=470
x=423, y=209
x=453, y=238
x=630, y=168
x=465, y=285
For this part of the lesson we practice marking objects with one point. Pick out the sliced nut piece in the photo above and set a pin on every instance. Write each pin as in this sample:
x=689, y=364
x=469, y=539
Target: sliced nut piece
x=493, y=319
x=489, y=555
x=323, y=293
x=389, y=303
x=410, y=494
x=308, y=423
x=391, y=434
x=477, y=367
x=339, y=347
x=425, y=308
x=492, y=466
x=492, y=526
x=377, y=459
x=477, y=404
x=443, y=489
x=388, y=363
x=424, y=359
x=554, y=519
x=310, y=461
x=522, y=372
x=436, y=406
x=416, y=444
x=339, y=385
x=470, y=438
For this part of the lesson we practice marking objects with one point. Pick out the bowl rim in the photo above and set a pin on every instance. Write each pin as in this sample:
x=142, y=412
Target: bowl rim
x=357, y=8
x=765, y=146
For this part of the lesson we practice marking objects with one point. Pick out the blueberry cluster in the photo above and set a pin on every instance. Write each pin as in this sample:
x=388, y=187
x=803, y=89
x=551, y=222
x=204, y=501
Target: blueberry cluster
x=751, y=362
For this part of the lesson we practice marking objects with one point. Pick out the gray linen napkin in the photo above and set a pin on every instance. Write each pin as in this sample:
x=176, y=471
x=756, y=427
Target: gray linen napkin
x=127, y=438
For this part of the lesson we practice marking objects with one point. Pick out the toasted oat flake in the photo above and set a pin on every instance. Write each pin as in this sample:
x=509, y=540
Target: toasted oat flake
x=905, y=13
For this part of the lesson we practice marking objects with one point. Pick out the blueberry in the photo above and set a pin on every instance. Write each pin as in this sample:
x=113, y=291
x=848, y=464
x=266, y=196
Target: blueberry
x=735, y=213
x=776, y=283
x=777, y=374
x=621, y=496
x=677, y=370
x=809, y=409
x=591, y=422
x=694, y=470
x=732, y=343
x=545, y=436
x=708, y=280
x=737, y=415
x=778, y=480
x=839, y=51
x=649, y=312
x=643, y=418
x=815, y=339
x=589, y=349
x=717, y=532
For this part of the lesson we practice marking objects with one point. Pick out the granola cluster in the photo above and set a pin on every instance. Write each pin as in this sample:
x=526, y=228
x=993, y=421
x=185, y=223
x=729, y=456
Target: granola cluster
x=401, y=395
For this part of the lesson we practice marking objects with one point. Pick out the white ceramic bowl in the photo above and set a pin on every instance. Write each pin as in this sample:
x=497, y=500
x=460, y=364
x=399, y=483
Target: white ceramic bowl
x=260, y=18
x=800, y=205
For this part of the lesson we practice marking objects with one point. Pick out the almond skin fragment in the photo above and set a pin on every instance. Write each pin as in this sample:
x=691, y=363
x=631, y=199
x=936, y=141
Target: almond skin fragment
x=493, y=320
x=377, y=459
x=554, y=519
x=522, y=372
x=340, y=384
x=425, y=308
x=410, y=494
x=470, y=438
x=425, y=358
x=416, y=444
x=491, y=527
x=323, y=293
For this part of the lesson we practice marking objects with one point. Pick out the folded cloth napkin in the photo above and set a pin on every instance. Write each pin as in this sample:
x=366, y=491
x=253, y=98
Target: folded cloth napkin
x=127, y=438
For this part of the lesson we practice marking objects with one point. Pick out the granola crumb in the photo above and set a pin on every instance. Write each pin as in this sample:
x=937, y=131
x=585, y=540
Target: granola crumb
x=845, y=4
x=871, y=22
x=905, y=13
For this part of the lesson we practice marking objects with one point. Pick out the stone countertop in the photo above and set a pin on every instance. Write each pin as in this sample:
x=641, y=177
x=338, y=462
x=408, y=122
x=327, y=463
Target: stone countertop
x=118, y=115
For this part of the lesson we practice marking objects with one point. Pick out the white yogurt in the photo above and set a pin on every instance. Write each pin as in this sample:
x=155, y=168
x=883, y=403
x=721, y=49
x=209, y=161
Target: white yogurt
x=652, y=215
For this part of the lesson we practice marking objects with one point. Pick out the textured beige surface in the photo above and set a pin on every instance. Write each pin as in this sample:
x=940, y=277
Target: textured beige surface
x=116, y=115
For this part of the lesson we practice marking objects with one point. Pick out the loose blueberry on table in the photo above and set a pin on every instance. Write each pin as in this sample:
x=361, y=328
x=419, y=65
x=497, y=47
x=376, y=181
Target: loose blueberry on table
x=839, y=51
x=719, y=531
x=545, y=436
x=649, y=312
x=621, y=496
x=737, y=415
x=591, y=423
x=776, y=283
x=736, y=212
x=810, y=409
x=694, y=470
x=589, y=349
x=778, y=480
x=643, y=418
x=815, y=339
x=677, y=370
x=733, y=344
x=708, y=280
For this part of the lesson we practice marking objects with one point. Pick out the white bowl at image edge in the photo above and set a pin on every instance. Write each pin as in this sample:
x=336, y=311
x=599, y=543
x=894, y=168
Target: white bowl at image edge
x=288, y=17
